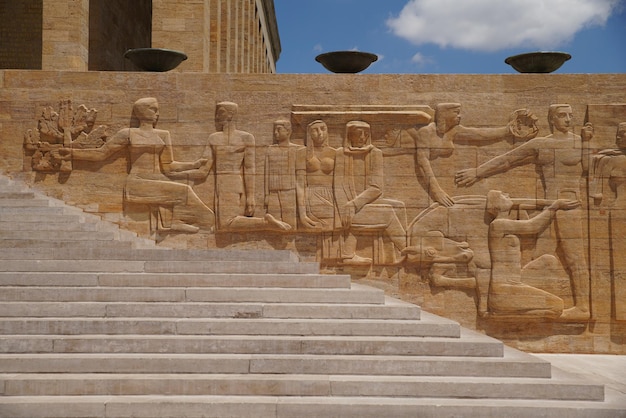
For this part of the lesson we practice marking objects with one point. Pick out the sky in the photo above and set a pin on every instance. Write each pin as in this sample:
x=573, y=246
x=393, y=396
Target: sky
x=452, y=36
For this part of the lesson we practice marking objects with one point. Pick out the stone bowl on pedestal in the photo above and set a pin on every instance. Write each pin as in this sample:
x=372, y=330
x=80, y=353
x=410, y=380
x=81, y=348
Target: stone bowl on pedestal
x=538, y=62
x=346, y=61
x=155, y=59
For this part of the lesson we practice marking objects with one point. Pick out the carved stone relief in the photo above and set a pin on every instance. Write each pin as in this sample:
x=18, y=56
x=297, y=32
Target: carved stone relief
x=608, y=207
x=152, y=167
x=561, y=159
x=324, y=176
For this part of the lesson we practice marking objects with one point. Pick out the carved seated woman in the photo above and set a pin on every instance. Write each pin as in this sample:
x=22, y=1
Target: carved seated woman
x=508, y=295
x=151, y=168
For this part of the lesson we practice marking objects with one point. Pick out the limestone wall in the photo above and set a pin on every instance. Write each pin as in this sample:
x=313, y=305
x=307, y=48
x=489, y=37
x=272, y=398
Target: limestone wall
x=556, y=256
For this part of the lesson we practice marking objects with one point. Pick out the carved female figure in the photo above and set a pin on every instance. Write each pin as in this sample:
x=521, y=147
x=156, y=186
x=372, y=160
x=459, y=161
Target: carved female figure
x=320, y=168
x=152, y=166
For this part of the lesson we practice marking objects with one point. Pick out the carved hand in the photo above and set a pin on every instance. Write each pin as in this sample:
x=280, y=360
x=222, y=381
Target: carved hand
x=200, y=162
x=309, y=223
x=564, y=204
x=586, y=133
x=63, y=154
x=442, y=198
x=466, y=177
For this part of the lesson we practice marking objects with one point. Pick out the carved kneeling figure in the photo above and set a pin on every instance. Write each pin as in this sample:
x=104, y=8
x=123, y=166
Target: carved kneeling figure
x=507, y=294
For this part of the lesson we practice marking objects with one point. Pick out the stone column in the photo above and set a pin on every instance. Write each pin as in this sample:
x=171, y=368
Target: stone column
x=65, y=35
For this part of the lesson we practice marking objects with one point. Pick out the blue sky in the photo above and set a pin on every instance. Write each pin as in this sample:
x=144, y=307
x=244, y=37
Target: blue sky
x=452, y=36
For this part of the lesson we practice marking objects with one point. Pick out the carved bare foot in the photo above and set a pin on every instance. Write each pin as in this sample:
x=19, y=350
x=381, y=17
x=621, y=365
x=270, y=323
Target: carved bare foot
x=283, y=226
x=183, y=227
x=574, y=314
x=443, y=281
x=357, y=260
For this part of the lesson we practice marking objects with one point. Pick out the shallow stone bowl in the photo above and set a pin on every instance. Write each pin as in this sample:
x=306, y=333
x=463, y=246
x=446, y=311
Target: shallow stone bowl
x=538, y=62
x=155, y=59
x=346, y=61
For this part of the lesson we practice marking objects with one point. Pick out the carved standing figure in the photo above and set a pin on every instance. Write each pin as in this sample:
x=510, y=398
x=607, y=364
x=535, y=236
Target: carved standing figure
x=152, y=166
x=284, y=194
x=437, y=140
x=507, y=294
x=561, y=159
x=609, y=166
x=230, y=153
x=359, y=190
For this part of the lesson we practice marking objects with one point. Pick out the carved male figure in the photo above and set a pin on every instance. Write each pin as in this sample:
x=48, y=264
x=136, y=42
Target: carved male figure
x=561, y=159
x=437, y=140
x=609, y=166
x=358, y=189
x=151, y=166
x=507, y=294
x=230, y=153
x=284, y=167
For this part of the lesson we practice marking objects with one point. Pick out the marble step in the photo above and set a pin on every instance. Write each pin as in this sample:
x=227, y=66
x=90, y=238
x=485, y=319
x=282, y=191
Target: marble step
x=9, y=194
x=94, y=252
x=224, y=326
x=288, y=280
x=27, y=228
x=391, y=309
x=155, y=266
x=48, y=235
x=253, y=345
x=355, y=294
x=22, y=200
x=560, y=387
x=209, y=406
x=510, y=364
x=10, y=247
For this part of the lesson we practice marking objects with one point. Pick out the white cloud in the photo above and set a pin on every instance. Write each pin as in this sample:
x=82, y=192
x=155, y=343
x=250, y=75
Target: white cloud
x=318, y=48
x=491, y=25
x=420, y=60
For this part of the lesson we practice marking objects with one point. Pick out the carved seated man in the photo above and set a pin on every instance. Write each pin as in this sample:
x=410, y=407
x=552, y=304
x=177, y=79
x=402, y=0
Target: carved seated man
x=358, y=188
x=508, y=295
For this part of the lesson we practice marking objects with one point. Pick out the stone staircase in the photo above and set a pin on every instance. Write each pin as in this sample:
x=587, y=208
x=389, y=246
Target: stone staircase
x=96, y=322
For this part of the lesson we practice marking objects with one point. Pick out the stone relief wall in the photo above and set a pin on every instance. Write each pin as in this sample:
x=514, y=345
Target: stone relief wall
x=510, y=221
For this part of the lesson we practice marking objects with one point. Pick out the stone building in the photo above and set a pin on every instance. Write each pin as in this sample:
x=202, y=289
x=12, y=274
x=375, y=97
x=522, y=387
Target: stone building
x=219, y=36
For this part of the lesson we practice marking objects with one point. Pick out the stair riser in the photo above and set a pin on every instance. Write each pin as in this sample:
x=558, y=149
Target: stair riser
x=279, y=364
x=290, y=407
x=286, y=280
x=225, y=295
x=251, y=345
x=58, y=235
x=173, y=267
x=231, y=326
x=243, y=385
x=22, y=201
x=201, y=310
x=28, y=228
